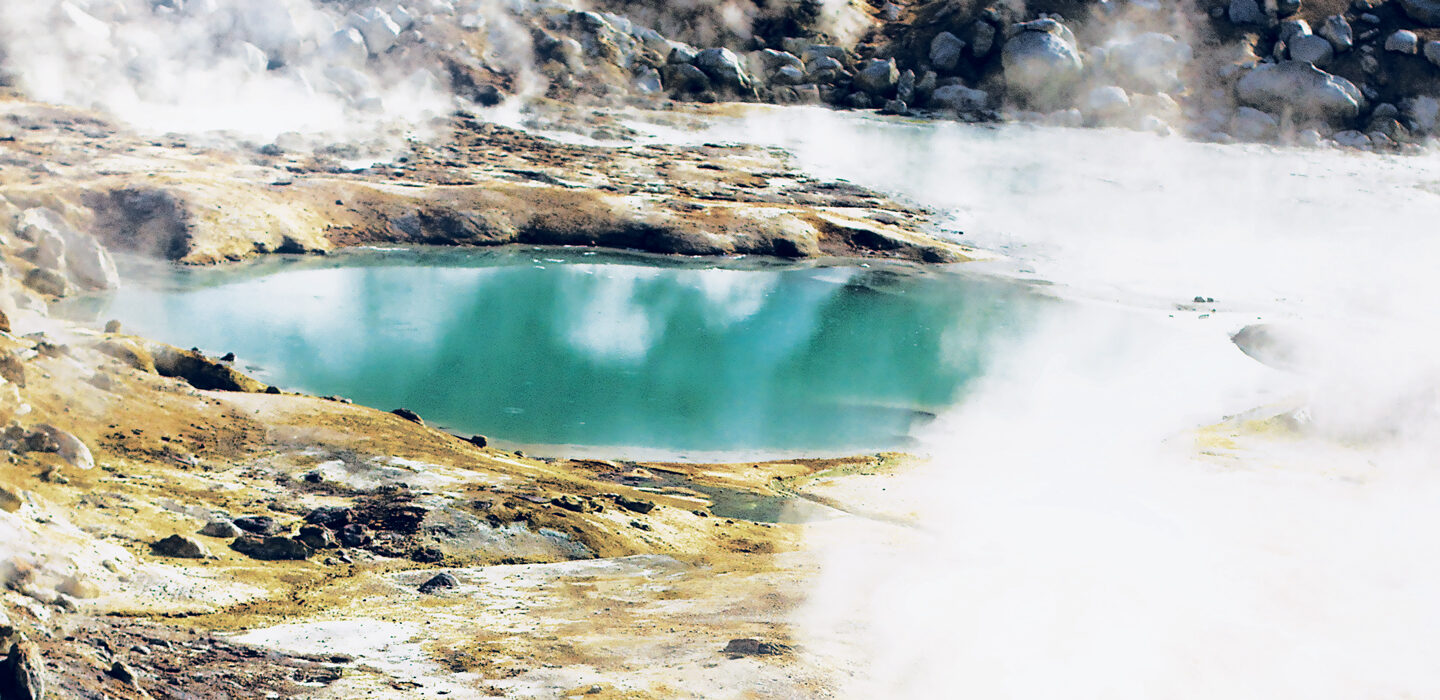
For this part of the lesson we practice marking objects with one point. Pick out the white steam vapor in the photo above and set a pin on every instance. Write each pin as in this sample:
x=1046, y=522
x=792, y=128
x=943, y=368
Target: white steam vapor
x=257, y=68
x=1080, y=533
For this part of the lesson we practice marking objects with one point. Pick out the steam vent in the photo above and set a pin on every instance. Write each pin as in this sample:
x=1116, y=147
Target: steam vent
x=738, y=349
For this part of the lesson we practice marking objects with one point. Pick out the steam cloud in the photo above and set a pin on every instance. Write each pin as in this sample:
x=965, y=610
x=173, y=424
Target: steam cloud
x=258, y=68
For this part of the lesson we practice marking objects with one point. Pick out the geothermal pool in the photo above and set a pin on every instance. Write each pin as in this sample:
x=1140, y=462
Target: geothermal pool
x=600, y=353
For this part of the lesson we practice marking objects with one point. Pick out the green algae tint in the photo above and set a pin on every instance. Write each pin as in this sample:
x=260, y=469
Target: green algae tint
x=602, y=353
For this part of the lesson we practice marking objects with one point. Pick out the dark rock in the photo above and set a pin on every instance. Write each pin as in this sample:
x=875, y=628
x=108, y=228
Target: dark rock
x=120, y=672
x=576, y=504
x=263, y=525
x=316, y=537
x=877, y=77
x=945, y=51
x=333, y=517
x=755, y=647
x=634, y=504
x=271, y=548
x=478, y=440
x=21, y=674
x=438, y=582
x=409, y=415
x=112, y=326
x=220, y=528
x=180, y=547
x=228, y=357
x=272, y=390
x=354, y=535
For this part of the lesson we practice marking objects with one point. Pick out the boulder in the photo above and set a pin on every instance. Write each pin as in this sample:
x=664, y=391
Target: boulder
x=1105, y=104
x=723, y=68
x=1311, y=49
x=1302, y=89
x=945, y=50
x=824, y=70
x=346, y=47
x=1291, y=28
x=377, y=28
x=180, y=547
x=1041, y=64
x=439, y=582
x=1426, y=12
x=333, y=517
x=22, y=672
x=787, y=75
x=354, y=535
x=316, y=537
x=1338, y=32
x=258, y=525
x=1422, y=114
x=69, y=447
x=876, y=77
x=683, y=77
x=202, y=372
x=1432, y=52
x=634, y=505
x=1351, y=139
x=271, y=548
x=1251, y=124
x=409, y=415
x=767, y=61
x=1403, y=41
x=223, y=529
x=1248, y=12
x=959, y=99
x=1148, y=63
x=982, y=38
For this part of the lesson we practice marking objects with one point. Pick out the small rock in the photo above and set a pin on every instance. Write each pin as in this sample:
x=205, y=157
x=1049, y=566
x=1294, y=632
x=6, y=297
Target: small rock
x=755, y=647
x=112, y=326
x=354, y=535
x=576, y=504
x=478, y=440
x=1311, y=49
x=1338, y=32
x=271, y=548
x=409, y=415
x=1247, y=12
x=438, y=582
x=223, y=529
x=316, y=537
x=120, y=672
x=263, y=525
x=1432, y=52
x=945, y=50
x=333, y=517
x=877, y=77
x=180, y=547
x=982, y=38
x=634, y=504
x=1403, y=41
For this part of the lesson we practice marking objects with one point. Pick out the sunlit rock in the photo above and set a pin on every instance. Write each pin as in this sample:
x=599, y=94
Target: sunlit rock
x=1041, y=63
x=1301, y=89
x=1149, y=63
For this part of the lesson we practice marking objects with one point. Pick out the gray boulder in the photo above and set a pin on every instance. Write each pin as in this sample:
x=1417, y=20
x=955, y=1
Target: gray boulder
x=824, y=70
x=945, y=50
x=223, y=529
x=1302, y=89
x=1422, y=113
x=1311, y=49
x=1041, y=63
x=1148, y=63
x=1426, y=12
x=1403, y=41
x=683, y=77
x=1251, y=124
x=877, y=77
x=1248, y=12
x=1106, y=103
x=1338, y=31
x=1432, y=52
x=982, y=38
x=1291, y=28
x=70, y=448
x=959, y=99
x=723, y=68
x=378, y=29
x=179, y=547
x=788, y=75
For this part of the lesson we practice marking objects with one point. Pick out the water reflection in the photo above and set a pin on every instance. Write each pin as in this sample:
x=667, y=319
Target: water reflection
x=607, y=351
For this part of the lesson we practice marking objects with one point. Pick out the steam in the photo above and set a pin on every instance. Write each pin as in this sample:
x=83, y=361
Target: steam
x=1129, y=506
x=257, y=68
